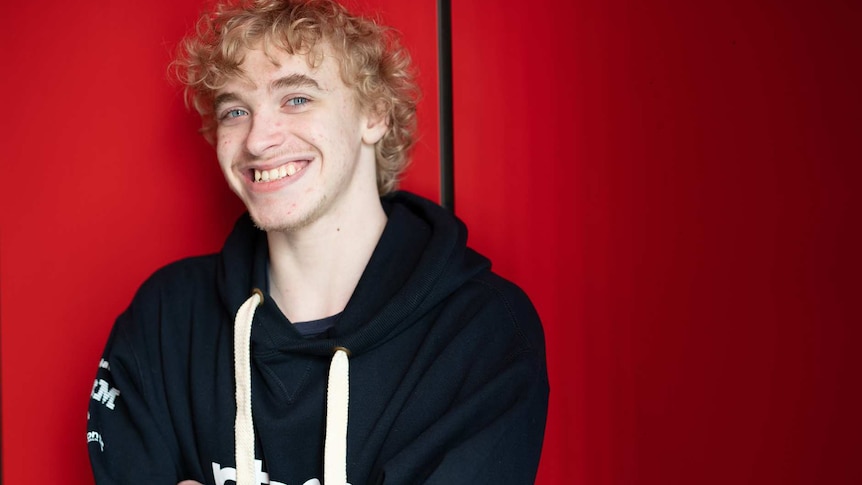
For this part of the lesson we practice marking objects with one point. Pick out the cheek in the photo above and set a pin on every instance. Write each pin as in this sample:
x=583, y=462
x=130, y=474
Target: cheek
x=223, y=141
x=348, y=131
x=225, y=148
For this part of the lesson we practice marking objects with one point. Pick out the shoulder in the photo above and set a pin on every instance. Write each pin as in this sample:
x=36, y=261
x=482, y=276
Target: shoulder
x=497, y=315
x=170, y=296
x=512, y=303
x=180, y=279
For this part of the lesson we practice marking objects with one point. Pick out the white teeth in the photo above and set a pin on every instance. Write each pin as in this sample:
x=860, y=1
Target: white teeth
x=286, y=170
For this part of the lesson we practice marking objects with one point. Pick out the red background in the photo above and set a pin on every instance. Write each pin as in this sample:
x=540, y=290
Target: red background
x=674, y=184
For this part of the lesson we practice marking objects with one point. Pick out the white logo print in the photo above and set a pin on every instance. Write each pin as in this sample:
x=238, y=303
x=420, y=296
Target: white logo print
x=93, y=436
x=222, y=475
x=104, y=393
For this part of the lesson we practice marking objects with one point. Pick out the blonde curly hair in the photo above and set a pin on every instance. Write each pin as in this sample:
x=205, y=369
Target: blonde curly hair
x=371, y=58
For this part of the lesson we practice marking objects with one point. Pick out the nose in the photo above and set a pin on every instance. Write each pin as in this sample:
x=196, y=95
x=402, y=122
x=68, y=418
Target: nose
x=265, y=134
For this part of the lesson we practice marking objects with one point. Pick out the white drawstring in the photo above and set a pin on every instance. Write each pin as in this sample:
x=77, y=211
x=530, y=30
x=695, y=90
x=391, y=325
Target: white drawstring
x=244, y=426
x=337, y=397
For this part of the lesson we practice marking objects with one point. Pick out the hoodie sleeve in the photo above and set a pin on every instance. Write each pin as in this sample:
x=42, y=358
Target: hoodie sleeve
x=129, y=433
x=503, y=443
x=492, y=430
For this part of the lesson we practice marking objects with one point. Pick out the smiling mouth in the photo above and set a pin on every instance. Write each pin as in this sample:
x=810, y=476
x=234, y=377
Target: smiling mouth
x=289, y=169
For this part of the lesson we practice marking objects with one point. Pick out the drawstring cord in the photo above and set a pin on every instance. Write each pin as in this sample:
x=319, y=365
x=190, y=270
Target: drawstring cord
x=337, y=397
x=244, y=426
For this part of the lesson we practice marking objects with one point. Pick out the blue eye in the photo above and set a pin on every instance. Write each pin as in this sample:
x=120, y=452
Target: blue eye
x=297, y=101
x=233, y=113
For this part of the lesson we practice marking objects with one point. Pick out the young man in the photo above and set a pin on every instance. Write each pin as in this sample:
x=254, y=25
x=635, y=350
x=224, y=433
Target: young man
x=234, y=367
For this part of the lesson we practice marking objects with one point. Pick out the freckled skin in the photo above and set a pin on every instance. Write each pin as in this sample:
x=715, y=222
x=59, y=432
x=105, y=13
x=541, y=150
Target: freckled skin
x=330, y=129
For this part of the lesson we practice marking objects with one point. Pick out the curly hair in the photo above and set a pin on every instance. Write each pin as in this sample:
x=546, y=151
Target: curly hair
x=371, y=60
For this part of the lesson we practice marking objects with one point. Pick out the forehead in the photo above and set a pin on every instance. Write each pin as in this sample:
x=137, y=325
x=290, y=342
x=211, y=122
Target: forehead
x=264, y=64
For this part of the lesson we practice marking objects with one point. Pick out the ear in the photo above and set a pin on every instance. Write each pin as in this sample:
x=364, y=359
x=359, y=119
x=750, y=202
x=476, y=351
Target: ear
x=375, y=123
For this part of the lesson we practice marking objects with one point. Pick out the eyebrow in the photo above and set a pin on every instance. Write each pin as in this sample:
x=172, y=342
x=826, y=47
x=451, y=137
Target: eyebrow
x=294, y=81
x=223, y=98
x=291, y=81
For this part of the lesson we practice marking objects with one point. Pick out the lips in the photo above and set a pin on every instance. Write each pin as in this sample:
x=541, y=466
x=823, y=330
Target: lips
x=289, y=169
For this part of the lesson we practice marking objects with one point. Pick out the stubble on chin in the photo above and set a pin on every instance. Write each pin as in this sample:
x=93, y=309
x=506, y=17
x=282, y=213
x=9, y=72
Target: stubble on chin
x=290, y=226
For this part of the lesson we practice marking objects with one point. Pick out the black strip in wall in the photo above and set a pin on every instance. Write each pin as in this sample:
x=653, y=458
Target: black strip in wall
x=444, y=77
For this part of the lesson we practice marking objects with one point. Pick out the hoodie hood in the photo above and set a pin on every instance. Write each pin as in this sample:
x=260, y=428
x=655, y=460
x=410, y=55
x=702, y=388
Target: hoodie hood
x=420, y=259
x=402, y=281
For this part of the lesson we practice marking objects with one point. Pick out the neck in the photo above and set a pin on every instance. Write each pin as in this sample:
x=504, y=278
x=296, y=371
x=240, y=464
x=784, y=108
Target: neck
x=314, y=271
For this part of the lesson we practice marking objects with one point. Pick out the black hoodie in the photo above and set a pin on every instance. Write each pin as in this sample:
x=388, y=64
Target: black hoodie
x=448, y=382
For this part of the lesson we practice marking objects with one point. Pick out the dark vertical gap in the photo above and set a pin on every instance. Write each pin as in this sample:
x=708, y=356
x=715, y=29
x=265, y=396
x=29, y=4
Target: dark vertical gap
x=444, y=77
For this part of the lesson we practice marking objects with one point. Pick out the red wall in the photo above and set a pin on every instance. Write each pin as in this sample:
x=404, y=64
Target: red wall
x=673, y=184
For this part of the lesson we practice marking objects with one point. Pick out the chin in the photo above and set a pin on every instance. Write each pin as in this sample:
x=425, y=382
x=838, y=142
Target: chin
x=270, y=224
x=271, y=221
x=287, y=216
